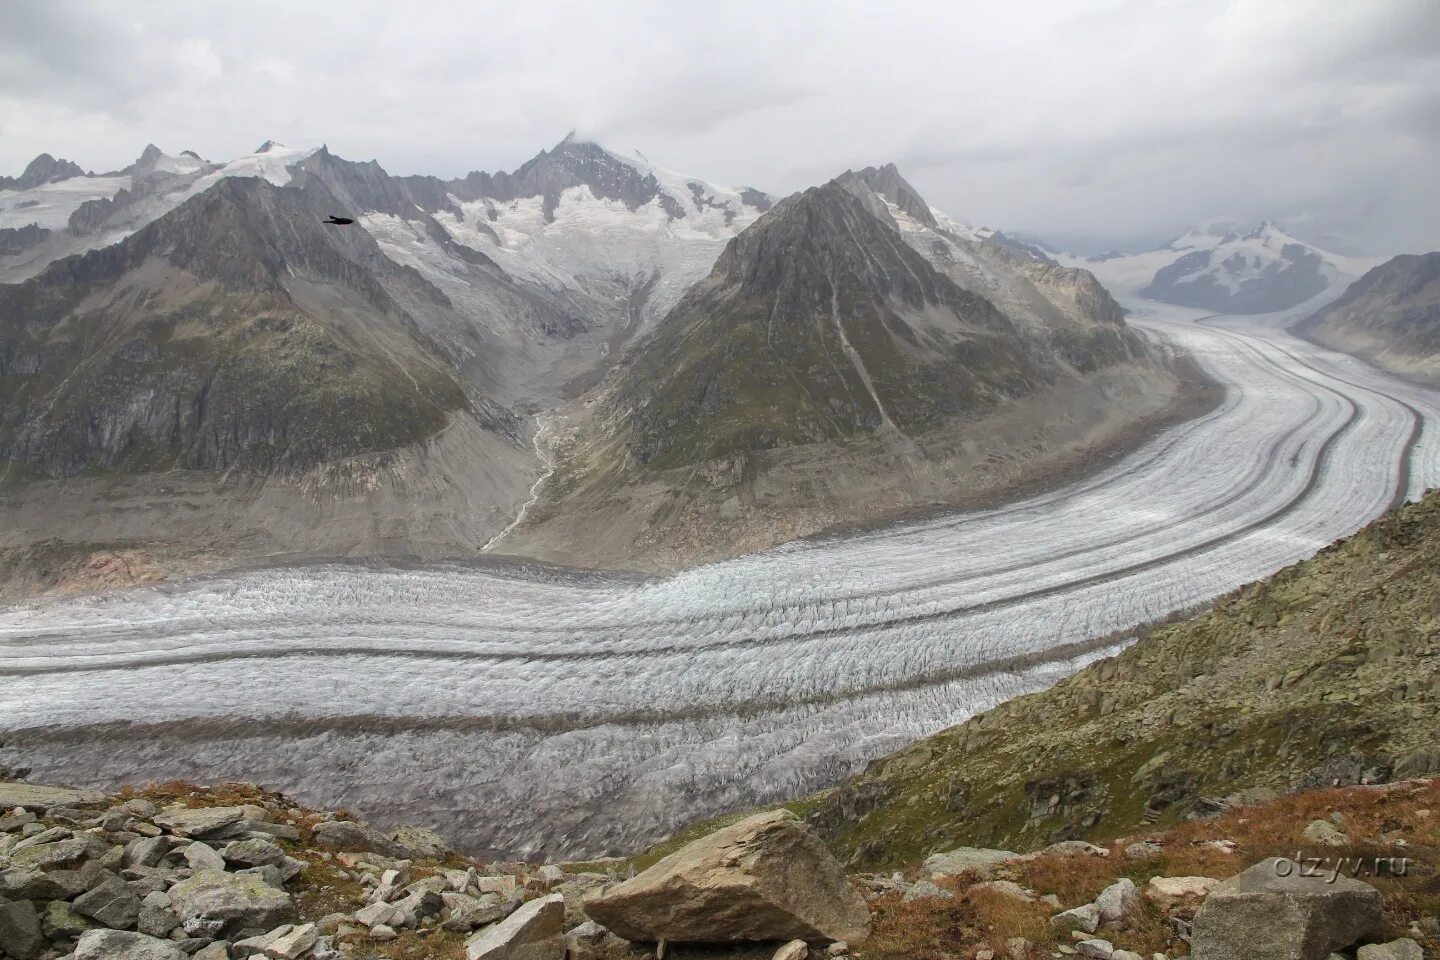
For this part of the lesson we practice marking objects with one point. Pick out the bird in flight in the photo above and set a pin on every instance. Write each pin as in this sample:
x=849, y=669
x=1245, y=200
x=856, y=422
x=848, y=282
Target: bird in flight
x=335, y=221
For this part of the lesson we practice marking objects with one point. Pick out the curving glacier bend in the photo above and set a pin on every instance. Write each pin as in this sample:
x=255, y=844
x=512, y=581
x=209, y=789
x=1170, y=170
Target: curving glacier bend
x=525, y=710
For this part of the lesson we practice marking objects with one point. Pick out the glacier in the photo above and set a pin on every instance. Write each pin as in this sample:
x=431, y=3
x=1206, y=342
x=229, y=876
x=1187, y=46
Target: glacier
x=525, y=710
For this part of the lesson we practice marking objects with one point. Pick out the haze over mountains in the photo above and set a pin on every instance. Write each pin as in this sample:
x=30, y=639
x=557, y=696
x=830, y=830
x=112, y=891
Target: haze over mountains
x=201, y=373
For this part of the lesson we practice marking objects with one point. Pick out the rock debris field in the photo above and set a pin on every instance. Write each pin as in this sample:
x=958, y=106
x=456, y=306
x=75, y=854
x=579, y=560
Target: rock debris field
x=525, y=711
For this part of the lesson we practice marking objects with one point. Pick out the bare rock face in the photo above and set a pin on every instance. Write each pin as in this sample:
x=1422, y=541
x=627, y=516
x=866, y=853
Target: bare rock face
x=1271, y=910
x=765, y=878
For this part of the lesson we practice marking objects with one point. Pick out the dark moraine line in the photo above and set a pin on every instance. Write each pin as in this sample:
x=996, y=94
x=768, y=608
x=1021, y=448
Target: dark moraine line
x=227, y=727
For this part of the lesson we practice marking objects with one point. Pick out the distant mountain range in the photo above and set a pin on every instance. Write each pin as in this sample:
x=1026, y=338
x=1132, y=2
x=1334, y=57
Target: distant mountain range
x=715, y=370
x=1222, y=268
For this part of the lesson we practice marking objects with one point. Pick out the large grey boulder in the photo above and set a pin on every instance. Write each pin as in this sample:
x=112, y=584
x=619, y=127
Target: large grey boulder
x=215, y=904
x=965, y=858
x=61, y=854
x=34, y=797
x=1119, y=902
x=112, y=902
x=119, y=945
x=357, y=837
x=200, y=821
x=765, y=878
x=534, y=932
x=1271, y=910
x=20, y=934
x=1402, y=949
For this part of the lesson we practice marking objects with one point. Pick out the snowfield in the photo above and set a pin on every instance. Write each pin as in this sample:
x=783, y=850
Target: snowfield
x=526, y=710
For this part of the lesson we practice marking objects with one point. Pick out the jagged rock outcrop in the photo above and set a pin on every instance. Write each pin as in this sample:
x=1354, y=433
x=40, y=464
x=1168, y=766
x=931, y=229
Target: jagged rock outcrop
x=43, y=169
x=1390, y=316
x=888, y=183
x=15, y=240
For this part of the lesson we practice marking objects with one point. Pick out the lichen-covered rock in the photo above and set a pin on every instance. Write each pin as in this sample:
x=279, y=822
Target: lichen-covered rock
x=1085, y=918
x=119, y=945
x=765, y=878
x=420, y=841
x=215, y=904
x=1119, y=902
x=1271, y=910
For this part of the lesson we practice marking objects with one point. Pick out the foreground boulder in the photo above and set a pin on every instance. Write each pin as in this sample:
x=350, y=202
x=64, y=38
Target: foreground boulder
x=1271, y=911
x=534, y=932
x=765, y=878
x=214, y=904
x=117, y=945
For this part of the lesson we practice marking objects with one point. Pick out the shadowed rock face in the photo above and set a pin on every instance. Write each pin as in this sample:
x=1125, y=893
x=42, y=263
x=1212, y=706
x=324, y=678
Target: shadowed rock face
x=233, y=332
x=15, y=240
x=1390, y=316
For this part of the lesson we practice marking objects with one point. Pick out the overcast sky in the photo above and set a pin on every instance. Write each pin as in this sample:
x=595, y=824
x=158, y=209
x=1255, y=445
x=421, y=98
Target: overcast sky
x=1120, y=121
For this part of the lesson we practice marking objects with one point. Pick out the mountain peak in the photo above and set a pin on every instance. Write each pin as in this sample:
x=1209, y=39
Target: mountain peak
x=269, y=145
x=43, y=169
x=888, y=183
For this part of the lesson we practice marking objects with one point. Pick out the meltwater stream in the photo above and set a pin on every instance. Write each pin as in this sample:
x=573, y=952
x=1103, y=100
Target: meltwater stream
x=527, y=711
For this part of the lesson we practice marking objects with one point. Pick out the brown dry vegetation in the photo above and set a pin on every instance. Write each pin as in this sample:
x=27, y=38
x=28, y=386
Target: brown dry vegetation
x=1395, y=821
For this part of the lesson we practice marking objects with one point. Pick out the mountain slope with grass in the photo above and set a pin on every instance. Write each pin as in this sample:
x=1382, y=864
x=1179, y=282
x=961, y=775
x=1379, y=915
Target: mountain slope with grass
x=1326, y=673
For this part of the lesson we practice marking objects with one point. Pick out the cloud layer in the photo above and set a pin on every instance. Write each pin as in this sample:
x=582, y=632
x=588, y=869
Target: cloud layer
x=1118, y=123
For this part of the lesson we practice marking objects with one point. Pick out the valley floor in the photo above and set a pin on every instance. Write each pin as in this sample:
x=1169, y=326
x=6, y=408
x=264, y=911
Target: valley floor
x=584, y=714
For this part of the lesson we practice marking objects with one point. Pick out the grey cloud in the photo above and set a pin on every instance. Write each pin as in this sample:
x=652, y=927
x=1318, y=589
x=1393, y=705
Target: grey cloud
x=1115, y=118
